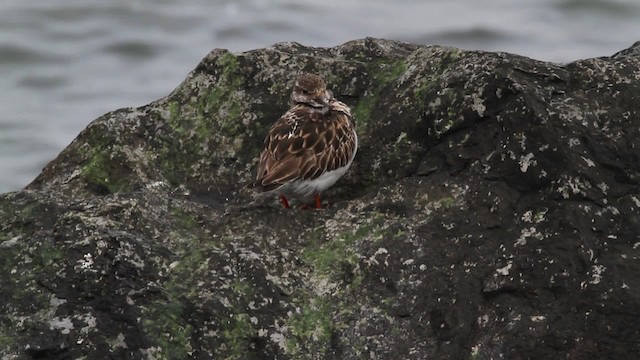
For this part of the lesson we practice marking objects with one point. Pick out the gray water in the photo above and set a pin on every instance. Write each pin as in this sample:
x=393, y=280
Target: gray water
x=65, y=62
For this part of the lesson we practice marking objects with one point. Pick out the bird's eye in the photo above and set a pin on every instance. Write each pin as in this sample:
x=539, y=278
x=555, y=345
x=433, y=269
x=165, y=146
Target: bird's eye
x=305, y=92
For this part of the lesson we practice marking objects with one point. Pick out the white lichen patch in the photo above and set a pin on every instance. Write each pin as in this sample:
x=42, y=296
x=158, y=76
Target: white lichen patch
x=322, y=286
x=91, y=322
x=510, y=153
x=279, y=339
x=569, y=185
x=126, y=252
x=522, y=140
x=65, y=325
x=475, y=350
x=374, y=261
x=528, y=233
x=443, y=125
x=589, y=162
x=54, y=301
x=225, y=302
x=596, y=275
x=119, y=342
x=478, y=105
x=152, y=352
x=448, y=226
x=11, y=242
x=74, y=174
x=86, y=263
x=435, y=104
x=526, y=161
x=540, y=215
x=603, y=187
x=408, y=262
x=609, y=209
x=483, y=320
x=154, y=185
x=401, y=137
x=504, y=271
x=538, y=318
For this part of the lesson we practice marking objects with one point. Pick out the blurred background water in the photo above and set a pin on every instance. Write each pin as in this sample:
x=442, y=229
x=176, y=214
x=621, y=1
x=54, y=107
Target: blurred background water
x=65, y=62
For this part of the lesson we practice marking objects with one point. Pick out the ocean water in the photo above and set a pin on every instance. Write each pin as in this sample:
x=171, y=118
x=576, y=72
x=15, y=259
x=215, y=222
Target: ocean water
x=63, y=63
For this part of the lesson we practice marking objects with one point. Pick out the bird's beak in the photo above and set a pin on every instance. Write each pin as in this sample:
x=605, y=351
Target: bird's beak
x=328, y=95
x=320, y=103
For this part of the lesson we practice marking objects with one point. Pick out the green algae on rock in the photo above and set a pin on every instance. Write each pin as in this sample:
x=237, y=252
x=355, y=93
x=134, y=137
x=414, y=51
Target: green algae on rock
x=492, y=211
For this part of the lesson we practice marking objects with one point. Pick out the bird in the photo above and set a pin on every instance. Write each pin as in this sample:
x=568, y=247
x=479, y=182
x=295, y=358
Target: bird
x=308, y=148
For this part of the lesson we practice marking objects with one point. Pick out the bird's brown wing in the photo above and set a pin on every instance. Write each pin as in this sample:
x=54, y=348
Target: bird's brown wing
x=339, y=139
x=303, y=144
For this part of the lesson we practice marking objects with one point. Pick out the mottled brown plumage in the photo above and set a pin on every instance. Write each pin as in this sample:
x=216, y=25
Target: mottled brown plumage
x=311, y=146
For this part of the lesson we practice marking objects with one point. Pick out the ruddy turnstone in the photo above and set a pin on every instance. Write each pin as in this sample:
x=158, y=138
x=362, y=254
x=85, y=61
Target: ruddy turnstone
x=310, y=147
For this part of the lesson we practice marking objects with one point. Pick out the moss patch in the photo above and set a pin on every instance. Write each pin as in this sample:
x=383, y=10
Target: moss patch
x=326, y=257
x=206, y=128
x=6, y=337
x=311, y=328
x=105, y=169
x=164, y=324
x=184, y=219
x=21, y=220
x=362, y=111
x=382, y=74
x=312, y=325
x=385, y=72
x=105, y=174
x=446, y=202
x=237, y=335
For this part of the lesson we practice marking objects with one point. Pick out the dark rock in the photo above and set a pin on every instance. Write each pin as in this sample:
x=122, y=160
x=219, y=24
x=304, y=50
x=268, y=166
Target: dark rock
x=492, y=212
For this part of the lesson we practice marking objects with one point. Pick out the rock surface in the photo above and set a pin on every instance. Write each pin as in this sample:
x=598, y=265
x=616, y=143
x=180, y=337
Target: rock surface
x=492, y=212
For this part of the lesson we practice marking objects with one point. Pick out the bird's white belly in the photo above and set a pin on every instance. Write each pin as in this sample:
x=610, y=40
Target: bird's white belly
x=308, y=188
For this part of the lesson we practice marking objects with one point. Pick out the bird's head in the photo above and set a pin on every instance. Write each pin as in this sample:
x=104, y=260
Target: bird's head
x=311, y=90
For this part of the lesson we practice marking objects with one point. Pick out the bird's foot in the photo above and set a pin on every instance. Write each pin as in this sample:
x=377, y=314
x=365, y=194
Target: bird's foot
x=317, y=204
x=284, y=201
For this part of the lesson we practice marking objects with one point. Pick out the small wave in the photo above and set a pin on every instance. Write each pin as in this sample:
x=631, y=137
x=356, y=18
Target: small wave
x=16, y=54
x=132, y=49
x=465, y=37
x=42, y=81
x=262, y=27
x=599, y=7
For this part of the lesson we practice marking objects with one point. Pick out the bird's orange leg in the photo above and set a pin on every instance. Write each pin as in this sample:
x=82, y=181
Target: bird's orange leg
x=318, y=203
x=284, y=201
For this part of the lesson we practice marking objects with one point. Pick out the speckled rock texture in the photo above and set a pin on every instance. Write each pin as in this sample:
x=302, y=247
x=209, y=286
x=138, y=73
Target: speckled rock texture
x=492, y=212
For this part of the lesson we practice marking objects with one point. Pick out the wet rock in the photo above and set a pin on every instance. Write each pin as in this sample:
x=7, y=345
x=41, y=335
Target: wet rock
x=492, y=212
